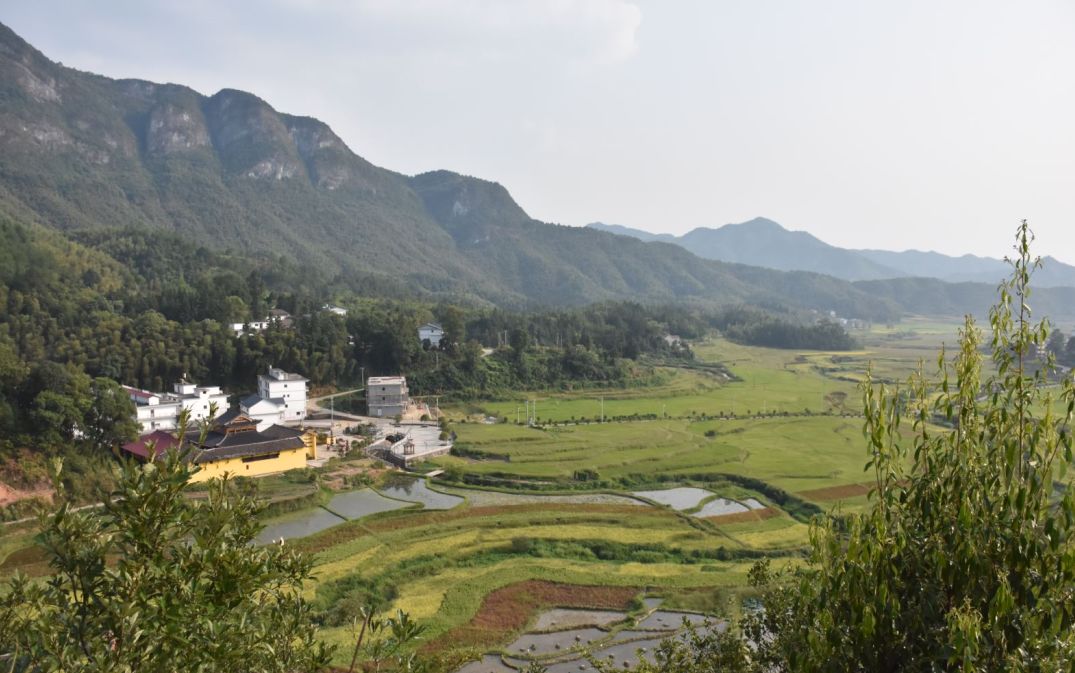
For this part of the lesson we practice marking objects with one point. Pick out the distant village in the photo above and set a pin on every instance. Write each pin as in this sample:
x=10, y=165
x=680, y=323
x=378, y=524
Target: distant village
x=277, y=428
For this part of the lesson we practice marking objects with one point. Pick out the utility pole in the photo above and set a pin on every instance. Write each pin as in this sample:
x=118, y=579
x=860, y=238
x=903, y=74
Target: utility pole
x=602, y=408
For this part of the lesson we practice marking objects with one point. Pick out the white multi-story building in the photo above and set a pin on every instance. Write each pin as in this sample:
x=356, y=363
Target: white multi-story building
x=160, y=411
x=387, y=395
x=286, y=390
x=431, y=332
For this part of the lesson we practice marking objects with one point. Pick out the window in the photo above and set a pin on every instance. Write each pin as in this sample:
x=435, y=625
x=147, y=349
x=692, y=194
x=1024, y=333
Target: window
x=264, y=456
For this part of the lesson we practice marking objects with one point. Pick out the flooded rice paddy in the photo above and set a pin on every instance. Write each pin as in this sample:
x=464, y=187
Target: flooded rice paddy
x=565, y=618
x=688, y=498
x=563, y=640
x=298, y=524
x=416, y=490
x=679, y=499
x=355, y=505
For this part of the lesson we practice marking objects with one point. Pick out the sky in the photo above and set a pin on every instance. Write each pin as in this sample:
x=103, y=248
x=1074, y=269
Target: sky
x=894, y=125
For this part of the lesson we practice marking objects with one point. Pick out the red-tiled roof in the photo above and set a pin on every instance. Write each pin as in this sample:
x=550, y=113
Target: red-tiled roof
x=161, y=440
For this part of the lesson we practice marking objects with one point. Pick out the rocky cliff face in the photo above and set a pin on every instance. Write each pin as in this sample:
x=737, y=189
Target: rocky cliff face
x=175, y=127
x=80, y=151
x=250, y=138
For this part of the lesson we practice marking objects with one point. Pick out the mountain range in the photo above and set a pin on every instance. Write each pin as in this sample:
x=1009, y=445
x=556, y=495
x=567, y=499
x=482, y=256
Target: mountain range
x=85, y=155
x=763, y=242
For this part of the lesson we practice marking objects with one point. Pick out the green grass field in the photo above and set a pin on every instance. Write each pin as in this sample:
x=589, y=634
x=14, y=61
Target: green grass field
x=818, y=444
x=794, y=453
x=770, y=380
x=789, y=419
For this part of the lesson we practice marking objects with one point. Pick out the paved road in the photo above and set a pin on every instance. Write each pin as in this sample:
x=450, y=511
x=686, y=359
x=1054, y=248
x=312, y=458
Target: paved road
x=313, y=406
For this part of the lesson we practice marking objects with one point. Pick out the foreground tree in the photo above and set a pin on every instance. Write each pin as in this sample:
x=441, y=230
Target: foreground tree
x=155, y=581
x=109, y=420
x=966, y=559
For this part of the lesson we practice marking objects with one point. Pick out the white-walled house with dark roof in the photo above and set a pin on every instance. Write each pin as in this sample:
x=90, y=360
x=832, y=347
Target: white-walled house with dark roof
x=431, y=332
x=285, y=389
x=160, y=411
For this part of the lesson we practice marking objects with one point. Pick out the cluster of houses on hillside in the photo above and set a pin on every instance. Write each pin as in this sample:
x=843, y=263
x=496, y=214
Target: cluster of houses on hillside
x=278, y=317
x=281, y=398
x=251, y=440
x=259, y=436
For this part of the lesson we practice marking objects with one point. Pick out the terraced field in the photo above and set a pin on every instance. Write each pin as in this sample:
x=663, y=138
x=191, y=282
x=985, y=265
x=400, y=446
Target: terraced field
x=440, y=566
x=574, y=520
x=577, y=548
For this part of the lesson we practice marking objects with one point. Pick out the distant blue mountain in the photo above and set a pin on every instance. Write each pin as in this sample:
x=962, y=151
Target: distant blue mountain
x=763, y=242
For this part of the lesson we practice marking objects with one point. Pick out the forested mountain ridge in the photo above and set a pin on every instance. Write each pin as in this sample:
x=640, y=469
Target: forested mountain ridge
x=119, y=164
x=86, y=154
x=763, y=242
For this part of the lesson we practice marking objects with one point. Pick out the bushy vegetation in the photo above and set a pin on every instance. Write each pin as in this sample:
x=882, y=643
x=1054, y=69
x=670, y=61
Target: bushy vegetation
x=774, y=333
x=963, y=561
x=155, y=581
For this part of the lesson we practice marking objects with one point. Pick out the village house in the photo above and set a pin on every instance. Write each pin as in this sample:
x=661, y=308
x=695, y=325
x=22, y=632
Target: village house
x=276, y=316
x=279, y=316
x=241, y=328
x=234, y=447
x=265, y=412
x=335, y=310
x=286, y=390
x=431, y=332
x=155, y=443
x=160, y=411
x=387, y=396
x=237, y=448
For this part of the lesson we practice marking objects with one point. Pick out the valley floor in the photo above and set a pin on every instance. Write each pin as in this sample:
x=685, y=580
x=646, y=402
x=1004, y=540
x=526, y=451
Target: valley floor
x=674, y=496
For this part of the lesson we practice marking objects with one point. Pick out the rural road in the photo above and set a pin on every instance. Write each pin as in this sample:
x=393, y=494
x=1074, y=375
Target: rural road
x=313, y=406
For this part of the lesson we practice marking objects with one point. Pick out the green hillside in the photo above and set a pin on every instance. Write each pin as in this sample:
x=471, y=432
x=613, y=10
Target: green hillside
x=159, y=174
x=227, y=173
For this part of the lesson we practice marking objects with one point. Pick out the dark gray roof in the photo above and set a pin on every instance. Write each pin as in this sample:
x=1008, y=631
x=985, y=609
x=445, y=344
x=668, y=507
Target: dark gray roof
x=250, y=400
x=275, y=438
x=226, y=417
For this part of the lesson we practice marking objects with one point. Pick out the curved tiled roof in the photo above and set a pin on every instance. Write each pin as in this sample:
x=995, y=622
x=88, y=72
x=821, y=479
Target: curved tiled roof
x=222, y=446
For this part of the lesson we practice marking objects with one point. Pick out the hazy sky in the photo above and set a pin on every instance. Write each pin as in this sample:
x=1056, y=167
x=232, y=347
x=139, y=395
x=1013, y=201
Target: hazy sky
x=897, y=124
